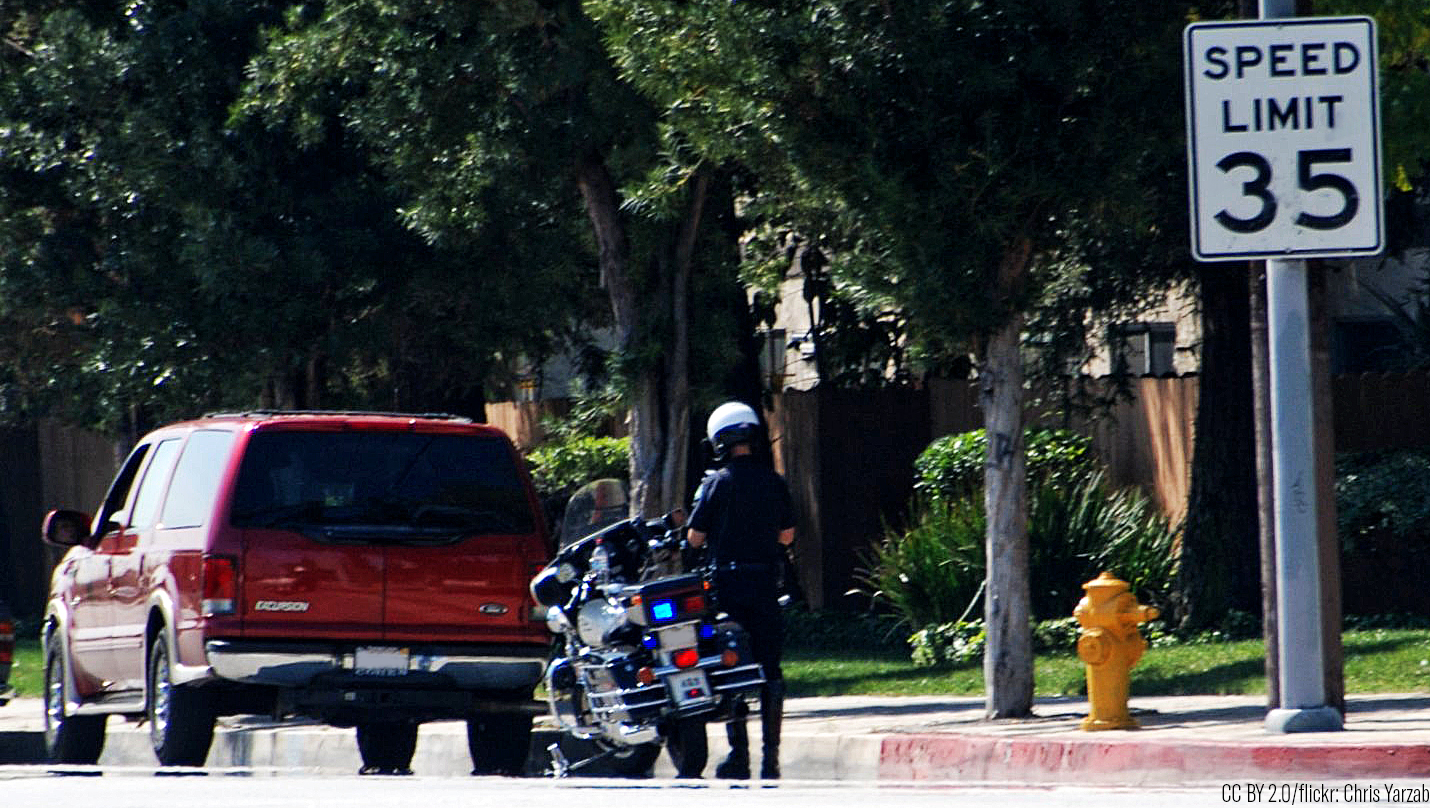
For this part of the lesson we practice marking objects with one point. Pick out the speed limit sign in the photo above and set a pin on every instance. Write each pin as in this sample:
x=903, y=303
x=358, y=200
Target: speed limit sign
x=1283, y=138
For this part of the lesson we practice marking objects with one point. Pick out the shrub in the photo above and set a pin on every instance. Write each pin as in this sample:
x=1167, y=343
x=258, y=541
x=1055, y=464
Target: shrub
x=1382, y=495
x=958, y=643
x=932, y=573
x=1079, y=531
x=560, y=466
x=952, y=466
x=962, y=642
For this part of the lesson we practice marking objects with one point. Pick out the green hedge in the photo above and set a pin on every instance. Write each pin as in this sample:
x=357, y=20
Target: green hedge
x=952, y=466
x=1383, y=495
x=561, y=466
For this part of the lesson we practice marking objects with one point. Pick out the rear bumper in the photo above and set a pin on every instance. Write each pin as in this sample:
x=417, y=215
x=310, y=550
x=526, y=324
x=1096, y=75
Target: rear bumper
x=305, y=665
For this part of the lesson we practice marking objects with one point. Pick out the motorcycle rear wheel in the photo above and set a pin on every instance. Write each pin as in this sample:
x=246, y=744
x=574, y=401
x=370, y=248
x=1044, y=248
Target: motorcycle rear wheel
x=688, y=747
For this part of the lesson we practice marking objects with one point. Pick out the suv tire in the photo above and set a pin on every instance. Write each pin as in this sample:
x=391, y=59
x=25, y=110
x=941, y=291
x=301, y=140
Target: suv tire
x=181, y=719
x=387, y=746
x=499, y=743
x=76, y=739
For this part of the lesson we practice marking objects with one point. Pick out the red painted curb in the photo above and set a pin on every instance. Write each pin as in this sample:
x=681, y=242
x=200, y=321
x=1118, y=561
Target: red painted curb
x=1045, y=759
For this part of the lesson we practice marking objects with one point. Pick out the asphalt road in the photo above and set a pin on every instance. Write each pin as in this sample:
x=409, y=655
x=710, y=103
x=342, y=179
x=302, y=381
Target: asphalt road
x=147, y=788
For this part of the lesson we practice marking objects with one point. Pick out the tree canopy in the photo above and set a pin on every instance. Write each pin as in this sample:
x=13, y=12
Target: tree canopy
x=165, y=256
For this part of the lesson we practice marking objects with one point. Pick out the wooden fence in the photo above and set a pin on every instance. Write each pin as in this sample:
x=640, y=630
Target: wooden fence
x=849, y=456
x=45, y=466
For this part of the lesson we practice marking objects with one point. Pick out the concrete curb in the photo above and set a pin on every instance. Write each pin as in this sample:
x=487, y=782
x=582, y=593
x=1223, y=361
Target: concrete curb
x=1139, y=762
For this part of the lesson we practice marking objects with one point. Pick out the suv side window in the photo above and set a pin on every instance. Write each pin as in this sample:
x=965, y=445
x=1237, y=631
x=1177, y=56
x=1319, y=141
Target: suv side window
x=151, y=488
x=118, y=494
x=196, y=479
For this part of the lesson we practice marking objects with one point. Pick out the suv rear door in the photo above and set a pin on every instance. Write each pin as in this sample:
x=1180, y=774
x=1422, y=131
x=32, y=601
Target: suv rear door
x=464, y=575
x=300, y=579
x=371, y=531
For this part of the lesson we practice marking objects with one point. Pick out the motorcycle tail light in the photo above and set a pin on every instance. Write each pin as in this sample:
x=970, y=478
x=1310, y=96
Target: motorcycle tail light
x=730, y=657
x=686, y=658
x=220, y=585
x=693, y=603
x=645, y=676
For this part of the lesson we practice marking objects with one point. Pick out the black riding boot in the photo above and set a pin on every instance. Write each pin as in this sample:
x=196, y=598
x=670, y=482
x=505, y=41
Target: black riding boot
x=772, y=710
x=736, y=765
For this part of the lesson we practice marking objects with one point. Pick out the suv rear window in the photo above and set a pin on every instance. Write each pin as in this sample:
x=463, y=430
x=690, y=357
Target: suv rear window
x=385, y=480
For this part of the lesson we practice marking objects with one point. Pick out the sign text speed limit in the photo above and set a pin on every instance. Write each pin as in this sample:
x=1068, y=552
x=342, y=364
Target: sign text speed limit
x=1283, y=137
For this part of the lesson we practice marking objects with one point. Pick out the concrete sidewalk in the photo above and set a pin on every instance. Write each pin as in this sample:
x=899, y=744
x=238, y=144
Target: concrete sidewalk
x=1183, y=740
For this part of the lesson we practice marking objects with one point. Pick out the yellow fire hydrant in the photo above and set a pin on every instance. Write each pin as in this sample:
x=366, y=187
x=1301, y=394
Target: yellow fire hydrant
x=1110, y=645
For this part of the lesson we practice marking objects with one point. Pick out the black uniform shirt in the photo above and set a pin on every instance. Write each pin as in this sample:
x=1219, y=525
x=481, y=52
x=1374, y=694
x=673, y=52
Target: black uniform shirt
x=742, y=509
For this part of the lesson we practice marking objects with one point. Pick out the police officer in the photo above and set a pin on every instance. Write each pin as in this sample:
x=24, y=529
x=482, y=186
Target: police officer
x=743, y=511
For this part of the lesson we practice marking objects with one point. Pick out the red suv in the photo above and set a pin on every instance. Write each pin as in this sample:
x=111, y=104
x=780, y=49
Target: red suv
x=368, y=570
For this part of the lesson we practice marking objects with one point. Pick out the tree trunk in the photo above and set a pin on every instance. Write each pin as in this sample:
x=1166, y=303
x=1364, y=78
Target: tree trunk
x=1220, y=568
x=660, y=394
x=1008, y=658
x=677, y=359
x=1328, y=543
x=603, y=208
x=1265, y=484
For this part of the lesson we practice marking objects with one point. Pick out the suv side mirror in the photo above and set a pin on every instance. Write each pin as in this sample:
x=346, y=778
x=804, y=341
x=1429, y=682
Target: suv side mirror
x=66, y=528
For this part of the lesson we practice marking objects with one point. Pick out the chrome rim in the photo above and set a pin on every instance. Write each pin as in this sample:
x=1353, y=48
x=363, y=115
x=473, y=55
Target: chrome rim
x=161, y=697
x=54, y=700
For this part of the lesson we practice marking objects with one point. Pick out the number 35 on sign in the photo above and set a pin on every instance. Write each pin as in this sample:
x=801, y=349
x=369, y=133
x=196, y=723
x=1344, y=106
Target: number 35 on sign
x=1283, y=138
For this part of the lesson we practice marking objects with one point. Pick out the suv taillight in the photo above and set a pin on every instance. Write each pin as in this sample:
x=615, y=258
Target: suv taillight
x=7, y=641
x=220, y=585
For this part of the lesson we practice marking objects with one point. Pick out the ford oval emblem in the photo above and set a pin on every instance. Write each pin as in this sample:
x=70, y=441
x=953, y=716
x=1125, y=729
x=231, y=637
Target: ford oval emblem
x=493, y=608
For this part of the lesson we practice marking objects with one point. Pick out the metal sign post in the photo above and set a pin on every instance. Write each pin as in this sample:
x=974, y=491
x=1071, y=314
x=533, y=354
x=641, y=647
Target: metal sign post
x=1283, y=139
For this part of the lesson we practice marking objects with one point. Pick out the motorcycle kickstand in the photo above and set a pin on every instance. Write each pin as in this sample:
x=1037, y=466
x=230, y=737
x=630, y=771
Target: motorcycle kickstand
x=560, y=766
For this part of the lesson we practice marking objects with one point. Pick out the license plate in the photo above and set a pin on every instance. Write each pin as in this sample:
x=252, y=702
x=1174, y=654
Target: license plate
x=688, y=687
x=380, y=661
x=677, y=637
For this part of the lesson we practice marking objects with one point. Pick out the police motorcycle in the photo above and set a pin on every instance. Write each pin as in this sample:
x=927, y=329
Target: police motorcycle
x=643, y=656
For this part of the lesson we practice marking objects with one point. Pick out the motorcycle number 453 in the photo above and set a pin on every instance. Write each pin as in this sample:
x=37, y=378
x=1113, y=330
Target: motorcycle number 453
x=1311, y=176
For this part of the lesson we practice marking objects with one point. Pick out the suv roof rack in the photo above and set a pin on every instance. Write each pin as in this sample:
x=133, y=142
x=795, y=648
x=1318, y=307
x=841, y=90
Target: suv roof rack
x=268, y=413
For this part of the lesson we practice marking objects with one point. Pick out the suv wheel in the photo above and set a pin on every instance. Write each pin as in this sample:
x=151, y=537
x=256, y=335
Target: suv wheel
x=387, y=746
x=181, y=719
x=499, y=743
x=68, y=739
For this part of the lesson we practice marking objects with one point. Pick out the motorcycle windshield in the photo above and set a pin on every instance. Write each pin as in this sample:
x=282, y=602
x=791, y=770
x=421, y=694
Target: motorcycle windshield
x=595, y=506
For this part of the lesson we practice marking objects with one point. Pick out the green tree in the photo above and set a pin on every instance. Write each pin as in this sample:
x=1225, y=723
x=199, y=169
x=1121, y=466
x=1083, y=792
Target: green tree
x=167, y=260
x=964, y=142
x=478, y=108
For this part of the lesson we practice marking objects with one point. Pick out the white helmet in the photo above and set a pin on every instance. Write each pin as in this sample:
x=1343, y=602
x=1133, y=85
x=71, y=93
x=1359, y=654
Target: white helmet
x=731, y=423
